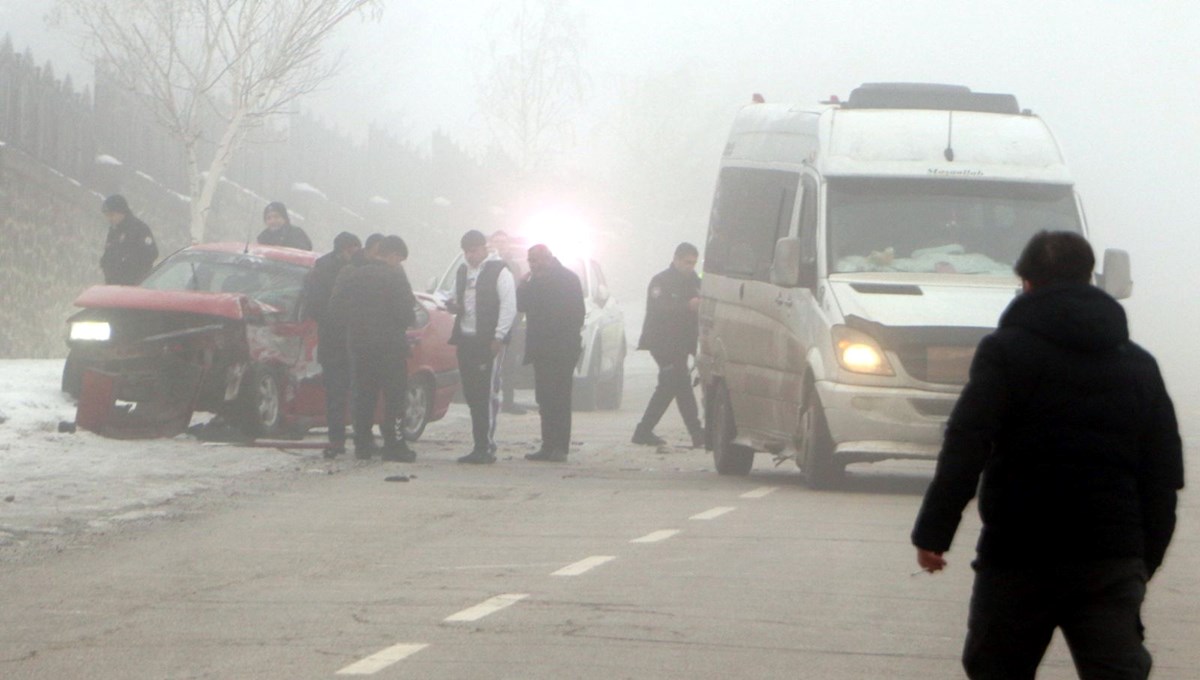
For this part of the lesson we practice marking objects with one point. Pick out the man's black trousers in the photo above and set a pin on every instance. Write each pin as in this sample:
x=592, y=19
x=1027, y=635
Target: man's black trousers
x=480, y=372
x=335, y=375
x=552, y=380
x=378, y=370
x=1014, y=611
x=674, y=384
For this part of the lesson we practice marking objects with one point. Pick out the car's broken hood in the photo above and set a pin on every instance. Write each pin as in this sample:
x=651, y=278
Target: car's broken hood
x=227, y=305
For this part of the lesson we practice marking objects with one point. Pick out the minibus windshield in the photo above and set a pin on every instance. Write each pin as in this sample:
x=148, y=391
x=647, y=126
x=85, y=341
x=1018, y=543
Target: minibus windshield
x=940, y=225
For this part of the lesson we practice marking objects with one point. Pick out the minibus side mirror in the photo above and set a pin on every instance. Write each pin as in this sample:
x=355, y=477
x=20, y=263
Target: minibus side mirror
x=785, y=269
x=1116, y=279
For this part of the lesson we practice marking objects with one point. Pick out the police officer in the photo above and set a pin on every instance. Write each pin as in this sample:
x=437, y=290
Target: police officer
x=279, y=229
x=375, y=303
x=670, y=332
x=129, y=250
x=552, y=299
x=331, y=337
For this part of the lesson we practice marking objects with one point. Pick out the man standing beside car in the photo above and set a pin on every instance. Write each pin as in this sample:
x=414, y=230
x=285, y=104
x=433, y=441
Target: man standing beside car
x=552, y=300
x=332, y=353
x=129, y=249
x=279, y=229
x=670, y=331
x=485, y=306
x=1070, y=427
x=375, y=303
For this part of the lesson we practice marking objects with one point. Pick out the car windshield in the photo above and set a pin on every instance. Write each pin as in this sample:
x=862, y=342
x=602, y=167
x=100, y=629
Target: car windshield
x=274, y=283
x=940, y=226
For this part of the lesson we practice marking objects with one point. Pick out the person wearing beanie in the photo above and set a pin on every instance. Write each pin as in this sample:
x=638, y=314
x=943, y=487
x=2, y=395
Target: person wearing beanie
x=279, y=229
x=129, y=249
x=331, y=337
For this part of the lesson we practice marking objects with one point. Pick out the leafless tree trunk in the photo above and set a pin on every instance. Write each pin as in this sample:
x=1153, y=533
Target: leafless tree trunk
x=212, y=70
x=533, y=81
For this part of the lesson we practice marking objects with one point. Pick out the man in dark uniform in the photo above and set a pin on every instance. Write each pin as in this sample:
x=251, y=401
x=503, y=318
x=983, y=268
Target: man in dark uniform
x=670, y=332
x=552, y=300
x=279, y=229
x=1070, y=426
x=485, y=305
x=375, y=302
x=129, y=250
x=331, y=337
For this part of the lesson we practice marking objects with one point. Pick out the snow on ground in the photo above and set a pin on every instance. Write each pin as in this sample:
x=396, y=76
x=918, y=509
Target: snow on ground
x=54, y=483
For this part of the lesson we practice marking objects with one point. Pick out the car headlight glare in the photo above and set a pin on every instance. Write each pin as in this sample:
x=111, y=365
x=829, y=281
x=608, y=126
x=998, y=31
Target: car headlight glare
x=93, y=331
x=859, y=353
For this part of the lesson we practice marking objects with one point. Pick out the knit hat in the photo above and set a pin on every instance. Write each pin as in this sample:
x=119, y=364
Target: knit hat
x=115, y=204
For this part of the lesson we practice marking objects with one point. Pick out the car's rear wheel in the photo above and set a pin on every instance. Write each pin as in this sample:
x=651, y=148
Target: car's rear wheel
x=816, y=458
x=259, y=408
x=417, y=407
x=729, y=458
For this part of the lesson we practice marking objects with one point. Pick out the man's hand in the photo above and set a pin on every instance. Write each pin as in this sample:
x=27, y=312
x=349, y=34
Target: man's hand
x=496, y=346
x=930, y=561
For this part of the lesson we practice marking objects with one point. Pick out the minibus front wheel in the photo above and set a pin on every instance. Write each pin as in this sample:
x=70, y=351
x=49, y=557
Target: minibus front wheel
x=729, y=458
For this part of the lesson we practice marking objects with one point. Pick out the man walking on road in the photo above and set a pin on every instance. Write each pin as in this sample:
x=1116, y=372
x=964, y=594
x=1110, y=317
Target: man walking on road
x=129, y=249
x=375, y=303
x=552, y=300
x=670, y=332
x=1071, y=428
x=331, y=337
x=485, y=305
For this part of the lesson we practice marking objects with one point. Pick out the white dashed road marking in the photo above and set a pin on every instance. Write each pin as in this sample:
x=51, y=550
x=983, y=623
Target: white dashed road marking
x=759, y=492
x=584, y=565
x=486, y=607
x=381, y=660
x=714, y=513
x=656, y=536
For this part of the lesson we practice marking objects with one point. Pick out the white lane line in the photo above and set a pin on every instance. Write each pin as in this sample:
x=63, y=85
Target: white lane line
x=486, y=607
x=759, y=492
x=656, y=536
x=381, y=660
x=584, y=565
x=713, y=513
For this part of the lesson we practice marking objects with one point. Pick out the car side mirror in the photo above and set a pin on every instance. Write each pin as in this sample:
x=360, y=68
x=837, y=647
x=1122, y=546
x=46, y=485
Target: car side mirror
x=1116, y=279
x=785, y=269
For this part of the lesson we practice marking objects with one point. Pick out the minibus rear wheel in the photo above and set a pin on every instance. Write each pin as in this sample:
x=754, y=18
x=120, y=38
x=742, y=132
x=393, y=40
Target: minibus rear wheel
x=730, y=458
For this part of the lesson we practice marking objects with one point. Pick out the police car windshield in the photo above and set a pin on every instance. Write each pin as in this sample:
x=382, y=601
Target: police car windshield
x=940, y=226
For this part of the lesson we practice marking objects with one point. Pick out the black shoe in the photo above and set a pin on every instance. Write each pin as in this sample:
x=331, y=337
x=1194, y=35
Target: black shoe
x=548, y=456
x=477, y=458
x=399, y=453
x=332, y=452
x=365, y=452
x=647, y=438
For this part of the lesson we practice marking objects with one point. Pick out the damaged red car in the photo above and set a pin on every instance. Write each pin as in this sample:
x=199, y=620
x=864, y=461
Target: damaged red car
x=221, y=328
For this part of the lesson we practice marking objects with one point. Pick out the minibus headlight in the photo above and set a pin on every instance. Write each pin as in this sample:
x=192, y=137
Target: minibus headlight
x=91, y=331
x=859, y=353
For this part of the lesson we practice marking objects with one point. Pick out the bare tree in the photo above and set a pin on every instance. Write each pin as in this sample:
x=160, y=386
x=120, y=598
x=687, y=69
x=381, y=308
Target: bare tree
x=533, y=82
x=196, y=62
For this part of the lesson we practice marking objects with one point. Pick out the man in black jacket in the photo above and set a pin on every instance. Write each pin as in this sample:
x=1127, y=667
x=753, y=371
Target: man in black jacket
x=552, y=300
x=670, y=331
x=279, y=229
x=1071, y=428
x=331, y=337
x=129, y=250
x=485, y=305
x=374, y=302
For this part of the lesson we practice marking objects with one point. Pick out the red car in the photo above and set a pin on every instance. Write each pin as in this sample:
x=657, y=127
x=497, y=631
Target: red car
x=221, y=328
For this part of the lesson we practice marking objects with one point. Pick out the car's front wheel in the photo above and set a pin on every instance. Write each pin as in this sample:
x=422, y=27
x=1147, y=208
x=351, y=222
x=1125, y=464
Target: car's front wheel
x=417, y=407
x=729, y=458
x=259, y=408
x=816, y=446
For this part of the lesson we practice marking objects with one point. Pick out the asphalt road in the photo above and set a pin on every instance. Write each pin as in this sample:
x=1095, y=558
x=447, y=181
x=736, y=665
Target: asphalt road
x=625, y=562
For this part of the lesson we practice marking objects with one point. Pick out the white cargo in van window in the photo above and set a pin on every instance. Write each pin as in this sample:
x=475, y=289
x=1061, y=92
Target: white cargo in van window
x=856, y=255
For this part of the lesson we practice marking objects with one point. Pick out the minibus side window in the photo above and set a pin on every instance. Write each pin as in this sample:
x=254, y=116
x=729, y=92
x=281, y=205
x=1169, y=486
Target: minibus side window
x=751, y=211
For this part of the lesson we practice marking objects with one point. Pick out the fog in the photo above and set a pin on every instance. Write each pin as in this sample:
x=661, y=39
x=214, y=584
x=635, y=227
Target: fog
x=1115, y=81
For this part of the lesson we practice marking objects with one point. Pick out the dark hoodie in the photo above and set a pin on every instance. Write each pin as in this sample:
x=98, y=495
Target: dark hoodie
x=1074, y=434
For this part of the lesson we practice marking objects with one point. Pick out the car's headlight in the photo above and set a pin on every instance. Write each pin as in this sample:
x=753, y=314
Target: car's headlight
x=94, y=331
x=859, y=353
